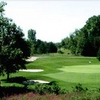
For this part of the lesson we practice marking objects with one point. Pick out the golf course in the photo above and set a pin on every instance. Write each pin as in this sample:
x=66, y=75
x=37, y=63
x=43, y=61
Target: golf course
x=67, y=71
x=52, y=57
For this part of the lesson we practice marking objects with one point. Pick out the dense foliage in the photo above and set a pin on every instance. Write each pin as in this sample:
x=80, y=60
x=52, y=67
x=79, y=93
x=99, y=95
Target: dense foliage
x=85, y=41
x=13, y=47
x=38, y=46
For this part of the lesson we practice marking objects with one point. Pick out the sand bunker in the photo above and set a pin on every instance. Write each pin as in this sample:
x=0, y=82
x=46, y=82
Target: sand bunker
x=30, y=59
x=35, y=70
x=32, y=70
x=39, y=81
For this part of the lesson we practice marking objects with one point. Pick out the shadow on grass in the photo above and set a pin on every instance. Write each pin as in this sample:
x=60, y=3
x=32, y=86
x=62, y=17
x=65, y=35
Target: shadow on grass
x=12, y=90
x=19, y=80
x=27, y=62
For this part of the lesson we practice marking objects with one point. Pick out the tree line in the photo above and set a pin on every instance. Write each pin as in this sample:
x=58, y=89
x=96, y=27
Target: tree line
x=85, y=41
x=38, y=46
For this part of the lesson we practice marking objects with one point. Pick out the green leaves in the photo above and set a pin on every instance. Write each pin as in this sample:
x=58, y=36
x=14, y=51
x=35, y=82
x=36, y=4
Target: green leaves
x=13, y=47
x=85, y=41
x=31, y=35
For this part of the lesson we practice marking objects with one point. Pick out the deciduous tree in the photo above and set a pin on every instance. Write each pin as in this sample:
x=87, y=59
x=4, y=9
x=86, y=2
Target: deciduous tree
x=13, y=47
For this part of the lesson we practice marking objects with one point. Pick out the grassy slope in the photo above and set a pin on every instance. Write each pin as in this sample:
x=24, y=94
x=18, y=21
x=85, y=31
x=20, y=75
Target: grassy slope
x=54, y=70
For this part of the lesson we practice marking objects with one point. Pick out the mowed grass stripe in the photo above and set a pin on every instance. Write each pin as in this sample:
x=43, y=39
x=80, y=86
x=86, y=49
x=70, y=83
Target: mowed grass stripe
x=81, y=69
x=78, y=74
x=76, y=77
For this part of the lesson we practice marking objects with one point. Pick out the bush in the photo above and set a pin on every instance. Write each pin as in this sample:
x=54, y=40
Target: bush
x=28, y=82
x=48, y=88
x=80, y=88
x=60, y=51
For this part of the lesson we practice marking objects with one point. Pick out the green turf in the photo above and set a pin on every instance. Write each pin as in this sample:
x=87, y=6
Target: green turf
x=66, y=70
x=76, y=77
x=82, y=69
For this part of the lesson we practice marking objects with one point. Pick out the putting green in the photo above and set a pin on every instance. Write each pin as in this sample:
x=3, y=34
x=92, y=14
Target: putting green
x=82, y=69
x=78, y=74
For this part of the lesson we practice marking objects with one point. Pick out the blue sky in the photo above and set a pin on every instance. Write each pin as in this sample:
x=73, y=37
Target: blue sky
x=53, y=20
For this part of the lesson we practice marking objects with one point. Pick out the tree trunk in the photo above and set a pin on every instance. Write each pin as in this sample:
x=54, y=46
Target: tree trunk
x=7, y=76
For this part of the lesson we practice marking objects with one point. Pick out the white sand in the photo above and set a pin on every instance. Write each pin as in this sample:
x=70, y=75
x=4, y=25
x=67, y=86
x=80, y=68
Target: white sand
x=30, y=59
x=32, y=70
x=40, y=81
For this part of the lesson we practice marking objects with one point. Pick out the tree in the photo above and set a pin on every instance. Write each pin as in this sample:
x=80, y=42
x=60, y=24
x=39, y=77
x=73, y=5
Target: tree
x=91, y=35
x=32, y=40
x=85, y=41
x=40, y=47
x=13, y=47
x=52, y=47
x=32, y=35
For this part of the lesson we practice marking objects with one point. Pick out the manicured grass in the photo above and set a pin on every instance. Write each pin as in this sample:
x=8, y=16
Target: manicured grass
x=69, y=70
x=82, y=69
x=66, y=70
x=76, y=77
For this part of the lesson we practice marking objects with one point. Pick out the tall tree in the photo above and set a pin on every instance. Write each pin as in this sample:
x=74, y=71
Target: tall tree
x=51, y=47
x=85, y=41
x=13, y=47
x=32, y=35
x=91, y=35
x=32, y=40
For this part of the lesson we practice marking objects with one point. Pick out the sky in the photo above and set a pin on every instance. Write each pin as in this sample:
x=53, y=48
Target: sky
x=53, y=20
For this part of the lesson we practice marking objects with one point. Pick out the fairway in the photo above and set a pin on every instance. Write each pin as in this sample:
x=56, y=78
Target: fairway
x=82, y=69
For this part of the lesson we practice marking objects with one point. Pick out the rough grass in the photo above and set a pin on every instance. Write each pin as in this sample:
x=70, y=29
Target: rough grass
x=69, y=96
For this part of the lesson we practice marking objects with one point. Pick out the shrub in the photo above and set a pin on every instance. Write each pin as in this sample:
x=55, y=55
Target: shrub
x=28, y=82
x=60, y=51
x=52, y=87
x=80, y=88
